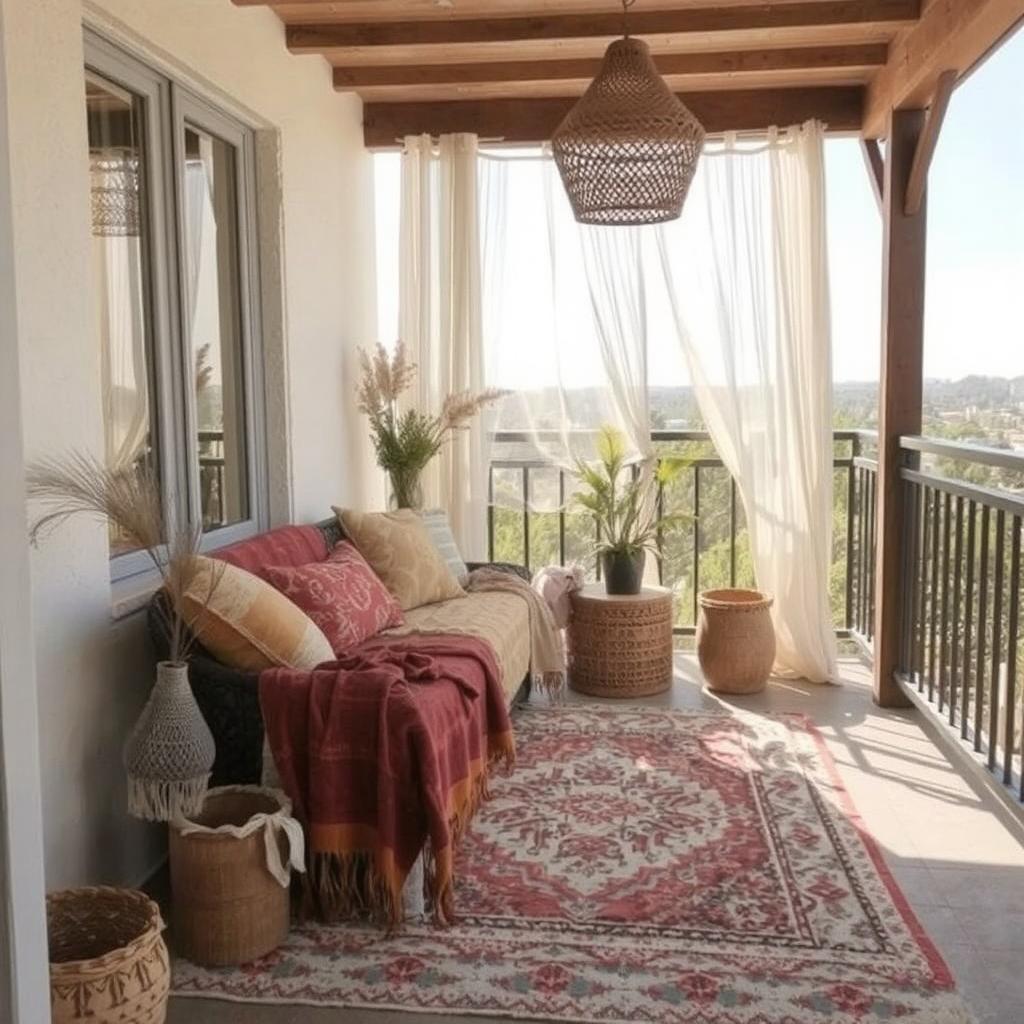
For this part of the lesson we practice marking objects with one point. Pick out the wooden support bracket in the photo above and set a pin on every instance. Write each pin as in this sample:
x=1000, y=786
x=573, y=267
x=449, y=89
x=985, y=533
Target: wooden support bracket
x=918, y=180
x=875, y=164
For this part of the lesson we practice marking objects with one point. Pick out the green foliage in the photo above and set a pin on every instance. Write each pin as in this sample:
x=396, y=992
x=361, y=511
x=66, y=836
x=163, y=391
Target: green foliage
x=621, y=498
x=407, y=441
x=721, y=563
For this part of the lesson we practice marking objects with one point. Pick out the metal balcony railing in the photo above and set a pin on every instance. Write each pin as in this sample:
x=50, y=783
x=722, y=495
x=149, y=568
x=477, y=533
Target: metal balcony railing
x=961, y=631
x=715, y=551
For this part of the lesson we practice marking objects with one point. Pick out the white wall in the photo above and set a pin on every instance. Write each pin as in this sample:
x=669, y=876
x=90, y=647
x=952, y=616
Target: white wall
x=24, y=985
x=94, y=674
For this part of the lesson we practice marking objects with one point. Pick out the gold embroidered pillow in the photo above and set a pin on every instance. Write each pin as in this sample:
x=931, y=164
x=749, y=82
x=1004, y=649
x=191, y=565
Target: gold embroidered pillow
x=401, y=553
x=247, y=624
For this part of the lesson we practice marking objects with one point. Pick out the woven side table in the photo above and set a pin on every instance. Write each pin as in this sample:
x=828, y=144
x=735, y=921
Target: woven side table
x=620, y=645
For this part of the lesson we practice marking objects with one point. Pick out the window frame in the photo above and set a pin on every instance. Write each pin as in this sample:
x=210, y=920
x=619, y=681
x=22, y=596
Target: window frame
x=188, y=108
x=167, y=107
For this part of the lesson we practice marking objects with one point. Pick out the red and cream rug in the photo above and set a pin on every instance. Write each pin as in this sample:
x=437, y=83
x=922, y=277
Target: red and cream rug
x=642, y=865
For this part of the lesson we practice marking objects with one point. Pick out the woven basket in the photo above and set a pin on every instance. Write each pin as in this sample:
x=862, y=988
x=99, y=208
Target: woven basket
x=619, y=645
x=108, y=961
x=228, y=908
x=735, y=640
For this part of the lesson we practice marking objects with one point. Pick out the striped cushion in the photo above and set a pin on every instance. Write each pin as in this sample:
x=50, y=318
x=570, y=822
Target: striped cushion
x=436, y=522
x=246, y=624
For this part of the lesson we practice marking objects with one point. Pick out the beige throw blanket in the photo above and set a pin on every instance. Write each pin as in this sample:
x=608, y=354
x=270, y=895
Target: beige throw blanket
x=547, y=653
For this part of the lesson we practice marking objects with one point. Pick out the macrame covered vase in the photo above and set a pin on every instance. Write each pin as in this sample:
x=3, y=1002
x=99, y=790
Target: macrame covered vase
x=169, y=754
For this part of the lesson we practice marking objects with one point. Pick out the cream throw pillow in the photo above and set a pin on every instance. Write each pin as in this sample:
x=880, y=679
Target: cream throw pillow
x=401, y=553
x=247, y=624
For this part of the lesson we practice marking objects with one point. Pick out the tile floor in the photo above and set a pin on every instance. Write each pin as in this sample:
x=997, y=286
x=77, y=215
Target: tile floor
x=956, y=851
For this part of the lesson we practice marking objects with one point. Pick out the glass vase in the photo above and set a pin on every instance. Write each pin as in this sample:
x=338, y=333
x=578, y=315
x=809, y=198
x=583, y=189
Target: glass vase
x=406, y=491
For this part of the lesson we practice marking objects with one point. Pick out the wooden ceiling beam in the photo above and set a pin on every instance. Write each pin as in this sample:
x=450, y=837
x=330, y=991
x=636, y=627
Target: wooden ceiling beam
x=731, y=62
x=952, y=34
x=531, y=121
x=306, y=38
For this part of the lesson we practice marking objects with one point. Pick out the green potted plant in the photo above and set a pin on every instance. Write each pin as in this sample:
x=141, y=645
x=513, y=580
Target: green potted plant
x=405, y=442
x=622, y=499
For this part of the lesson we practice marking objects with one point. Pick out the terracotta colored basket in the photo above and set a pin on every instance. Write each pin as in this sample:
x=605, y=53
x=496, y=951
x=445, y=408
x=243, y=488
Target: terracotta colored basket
x=228, y=908
x=735, y=640
x=108, y=961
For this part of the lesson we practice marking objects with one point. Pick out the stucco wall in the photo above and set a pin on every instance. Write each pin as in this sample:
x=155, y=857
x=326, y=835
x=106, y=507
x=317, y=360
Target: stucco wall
x=94, y=673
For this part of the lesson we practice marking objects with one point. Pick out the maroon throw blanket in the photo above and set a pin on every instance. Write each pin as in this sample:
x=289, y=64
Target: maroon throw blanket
x=381, y=751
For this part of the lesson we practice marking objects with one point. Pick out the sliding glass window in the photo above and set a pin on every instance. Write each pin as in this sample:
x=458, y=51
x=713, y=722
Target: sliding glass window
x=172, y=191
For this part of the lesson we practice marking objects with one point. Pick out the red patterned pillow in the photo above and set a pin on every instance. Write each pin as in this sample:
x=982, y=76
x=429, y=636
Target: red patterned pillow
x=342, y=595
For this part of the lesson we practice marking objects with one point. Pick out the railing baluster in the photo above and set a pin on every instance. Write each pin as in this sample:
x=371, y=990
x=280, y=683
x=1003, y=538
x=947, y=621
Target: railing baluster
x=933, y=592
x=732, y=532
x=851, y=498
x=561, y=517
x=954, y=654
x=869, y=626
x=526, y=516
x=965, y=692
x=1010, y=717
x=997, y=640
x=862, y=549
x=660, y=541
x=696, y=538
x=490, y=513
x=944, y=614
x=979, y=664
x=911, y=503
x=922, y=579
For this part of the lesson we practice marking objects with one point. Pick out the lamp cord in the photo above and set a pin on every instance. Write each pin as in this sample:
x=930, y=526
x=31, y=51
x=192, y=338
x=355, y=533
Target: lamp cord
x=626, y=4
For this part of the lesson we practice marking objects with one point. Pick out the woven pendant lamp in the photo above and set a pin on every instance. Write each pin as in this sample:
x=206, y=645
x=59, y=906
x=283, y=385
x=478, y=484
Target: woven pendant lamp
x=628, y=150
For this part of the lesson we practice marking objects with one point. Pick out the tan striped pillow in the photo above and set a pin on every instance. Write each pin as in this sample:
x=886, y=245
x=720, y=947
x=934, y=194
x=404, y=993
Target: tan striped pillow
x=246, y=624
x=401, y=553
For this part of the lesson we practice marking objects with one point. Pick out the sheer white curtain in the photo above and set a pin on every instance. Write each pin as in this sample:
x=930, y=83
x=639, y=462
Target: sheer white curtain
x=615, y=283
x=118, y=268
x=440, y=320
x=565, y=318
x=746, y=272
x=117, y=265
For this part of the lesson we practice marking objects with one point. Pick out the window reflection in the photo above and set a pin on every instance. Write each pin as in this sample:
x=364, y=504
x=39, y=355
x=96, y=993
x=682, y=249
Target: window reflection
x=120, y=249
x=215, y=328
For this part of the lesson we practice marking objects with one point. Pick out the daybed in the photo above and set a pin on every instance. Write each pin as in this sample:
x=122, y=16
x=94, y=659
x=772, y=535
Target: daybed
x=229, y=698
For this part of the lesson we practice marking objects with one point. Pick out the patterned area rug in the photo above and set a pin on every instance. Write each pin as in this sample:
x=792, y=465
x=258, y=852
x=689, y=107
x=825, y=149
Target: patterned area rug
x=642, y=865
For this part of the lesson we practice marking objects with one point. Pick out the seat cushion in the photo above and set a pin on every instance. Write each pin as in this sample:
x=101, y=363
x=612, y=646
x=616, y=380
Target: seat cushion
x=341, y=595
x=401, y=553
x=502, y=619
x=248, y=625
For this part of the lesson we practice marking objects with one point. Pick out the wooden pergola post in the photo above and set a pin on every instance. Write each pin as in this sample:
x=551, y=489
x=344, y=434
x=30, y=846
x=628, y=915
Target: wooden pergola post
x=900, y=385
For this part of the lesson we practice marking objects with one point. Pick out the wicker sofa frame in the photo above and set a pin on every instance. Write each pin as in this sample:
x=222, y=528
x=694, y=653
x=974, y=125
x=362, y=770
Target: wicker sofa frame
x=229, y=698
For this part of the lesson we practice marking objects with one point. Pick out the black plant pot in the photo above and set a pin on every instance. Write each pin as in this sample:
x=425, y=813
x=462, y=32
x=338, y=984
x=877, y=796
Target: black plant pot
x=623, y=573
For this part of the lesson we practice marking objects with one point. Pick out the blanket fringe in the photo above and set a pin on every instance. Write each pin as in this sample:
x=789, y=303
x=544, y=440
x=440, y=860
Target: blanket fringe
x=551, y=683
x=345, y=885
x=348, y=884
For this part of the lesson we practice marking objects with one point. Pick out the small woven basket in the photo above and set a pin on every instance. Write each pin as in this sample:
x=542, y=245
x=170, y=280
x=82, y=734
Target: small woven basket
x=108, y=961
x=228, y=907
x=735, y=640
x=621, y=645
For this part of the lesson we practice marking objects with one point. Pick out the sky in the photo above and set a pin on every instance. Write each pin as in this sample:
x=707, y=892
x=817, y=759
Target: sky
x=974, y=305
